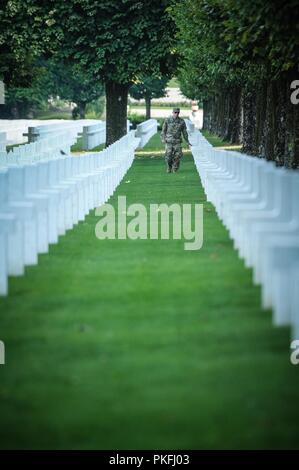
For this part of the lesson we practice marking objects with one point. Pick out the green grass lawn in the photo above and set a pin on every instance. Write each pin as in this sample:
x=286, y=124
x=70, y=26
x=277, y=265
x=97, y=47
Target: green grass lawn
x=173, y=83
x=46, y=114
x=77, y=147
x=123, y=344
x=155, y=145
x=218, y=142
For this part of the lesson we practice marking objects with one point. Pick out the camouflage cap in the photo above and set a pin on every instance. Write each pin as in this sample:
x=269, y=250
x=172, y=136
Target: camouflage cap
x=176, y=110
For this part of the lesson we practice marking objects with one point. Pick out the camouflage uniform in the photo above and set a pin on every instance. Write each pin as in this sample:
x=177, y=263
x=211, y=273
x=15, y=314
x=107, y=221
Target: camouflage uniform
x=172, y=130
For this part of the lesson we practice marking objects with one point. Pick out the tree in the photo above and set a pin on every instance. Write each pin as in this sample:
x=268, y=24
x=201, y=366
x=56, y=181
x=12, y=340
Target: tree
x=114, y=41
x=21, y=45
x=147, y=89
x=240, y=58
x=20, y=42
x=22, y=102
x=70, y=83
x=51, y=79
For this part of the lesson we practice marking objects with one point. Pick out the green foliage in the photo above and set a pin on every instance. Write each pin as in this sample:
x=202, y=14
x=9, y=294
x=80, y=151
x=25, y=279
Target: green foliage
x=21, y=40
x=71, y=83
x=136, y=119
x=78, y=147
x=45, y=115
x=54, y=78
x=224, y=43
x=162, y=104
x=173, y=83
x=263, y=31
x=25, y=101
x=160, y=123
x=27, y=96
x=149, y=88
x=216, y=141
x=114, y=40
x=95, y=109
x=154, y=145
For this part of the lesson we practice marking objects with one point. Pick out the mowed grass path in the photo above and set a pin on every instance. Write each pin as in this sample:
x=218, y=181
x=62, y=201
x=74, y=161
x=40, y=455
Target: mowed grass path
x=123, y=344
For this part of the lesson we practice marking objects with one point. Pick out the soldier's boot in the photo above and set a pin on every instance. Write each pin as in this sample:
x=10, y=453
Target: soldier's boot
x=175, y=166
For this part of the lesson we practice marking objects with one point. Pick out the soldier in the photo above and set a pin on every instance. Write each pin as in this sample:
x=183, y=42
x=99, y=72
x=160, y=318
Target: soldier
x=172, y=130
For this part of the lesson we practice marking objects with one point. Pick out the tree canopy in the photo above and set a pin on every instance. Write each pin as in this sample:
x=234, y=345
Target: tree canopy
x=20, y=40
x=113, y=41
x=224, y=42
x=147, y=89
x=70, y=83
x=240, y=58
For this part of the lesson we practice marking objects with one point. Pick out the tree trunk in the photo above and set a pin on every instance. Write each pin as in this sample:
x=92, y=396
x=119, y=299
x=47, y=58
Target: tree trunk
x=248, y=104
x=295, y=159
x=292, y=125
x=15, y=113
x=148, y=107
x=227, y=111
x=82, y=110
x=5, y=111
x=206, y=114
x=269, y=123
x=289, y=123
x=280, y=118
x=261, y=100
x=236, y=117
x=214, y=115
x=225, y=115
x=116, y=111
x=220, y=114
x=212, y=128
x=231, y=113
x=241, y=116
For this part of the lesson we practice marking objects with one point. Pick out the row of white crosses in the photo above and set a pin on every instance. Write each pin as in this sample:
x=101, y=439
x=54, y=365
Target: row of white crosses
x=146, y=130
x=3, y=143
x=95, y=134
x=49, y=147
x=46, y=140
x=40, y=200
x=14, y=129
x=190, y=125
x=258, y=204
x=43, y=131
x=17, y=130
